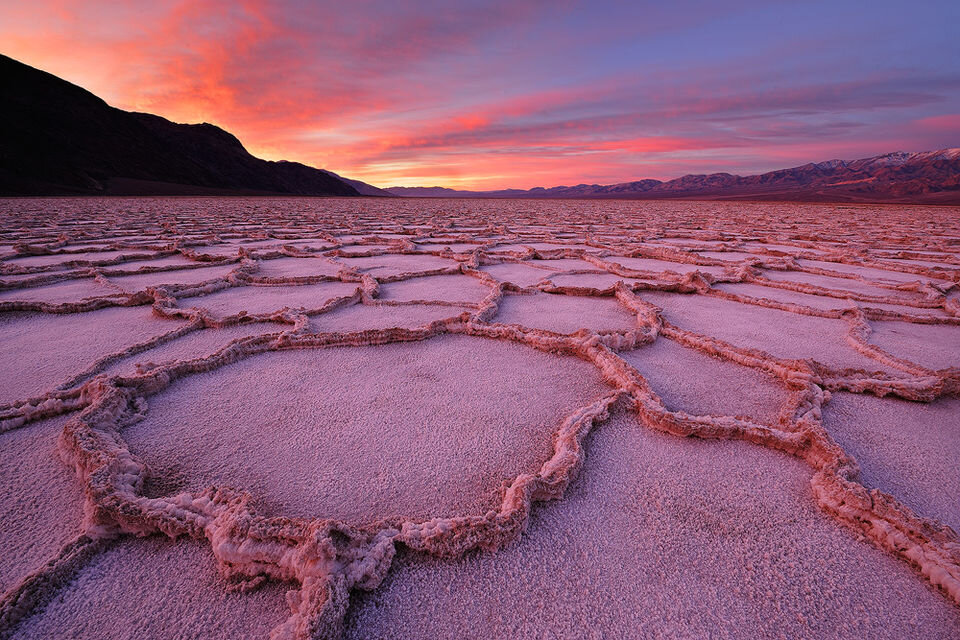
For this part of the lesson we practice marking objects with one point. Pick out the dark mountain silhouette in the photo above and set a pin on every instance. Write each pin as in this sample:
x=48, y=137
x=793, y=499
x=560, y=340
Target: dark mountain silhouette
x=362, y=188
x=59, y=139
x=924, y=177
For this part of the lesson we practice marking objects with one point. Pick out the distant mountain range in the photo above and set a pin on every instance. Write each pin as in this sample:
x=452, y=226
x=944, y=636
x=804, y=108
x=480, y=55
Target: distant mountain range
x=925, y=177
x=362, y=188
x=59, y=139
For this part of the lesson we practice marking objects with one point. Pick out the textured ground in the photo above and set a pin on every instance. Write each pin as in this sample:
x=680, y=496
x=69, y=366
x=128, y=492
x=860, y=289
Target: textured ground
x=310, y=418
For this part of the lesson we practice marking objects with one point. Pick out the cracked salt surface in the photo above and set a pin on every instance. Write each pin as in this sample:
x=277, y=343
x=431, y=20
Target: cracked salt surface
x=297, y=400
x=726, y=529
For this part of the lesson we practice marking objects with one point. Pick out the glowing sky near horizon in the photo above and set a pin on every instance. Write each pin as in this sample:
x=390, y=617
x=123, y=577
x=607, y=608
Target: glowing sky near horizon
x=519, y=94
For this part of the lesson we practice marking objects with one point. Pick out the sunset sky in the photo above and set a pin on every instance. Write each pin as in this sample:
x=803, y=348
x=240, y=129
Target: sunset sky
x=519, y=94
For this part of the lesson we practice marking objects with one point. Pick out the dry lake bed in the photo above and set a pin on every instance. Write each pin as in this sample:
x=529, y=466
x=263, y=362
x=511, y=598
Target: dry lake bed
x=403, y=418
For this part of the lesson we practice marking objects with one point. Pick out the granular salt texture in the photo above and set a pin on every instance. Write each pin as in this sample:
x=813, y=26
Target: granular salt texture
x=689, y=243
x=361, y=317
x=943, y=262
x=256, y=299
x=19, y=278
x=565, y=314
x=823, y=303
x=907, y=449
x=521, y=275
x=87, y=246
x=840, y=285
x=267, y=243
x=453, y=288
x=665, y=537
x=414, y=429
x=176, y=260
x=935, y=346
x=196, y=344
x=141, y=282
x=921, y=312
x=297, y=267
x=58, y=259
x=690, y=381
x=729, y=256
x=658, y=266
x=886, y=276
x=592, y=280
x=66, y=291
x=225, y=250
x=456, y=247
x=42, y=500
x=156, y=589
x=362, y=249
x=396, y=264
x=773, y=246
x=553, y=246
x=508, y=248
x=309, y=245
x=40, y=351
x=780, y=333
x=563, y=264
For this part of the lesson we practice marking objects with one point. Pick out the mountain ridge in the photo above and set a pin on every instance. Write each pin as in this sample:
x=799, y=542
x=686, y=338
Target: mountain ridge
x=60, y=139
x=922, y=177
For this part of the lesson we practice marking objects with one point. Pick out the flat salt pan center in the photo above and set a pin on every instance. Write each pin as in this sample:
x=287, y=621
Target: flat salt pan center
x=361, y=433
x=694, y=382
x=40, y=351
x=268, y=299
x=42, y=499
x=780, y=333
x=565, y=314
x=156, y=589
x=906, y=449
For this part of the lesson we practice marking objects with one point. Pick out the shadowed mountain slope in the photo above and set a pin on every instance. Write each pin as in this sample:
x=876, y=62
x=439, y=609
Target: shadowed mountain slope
x=59, y=139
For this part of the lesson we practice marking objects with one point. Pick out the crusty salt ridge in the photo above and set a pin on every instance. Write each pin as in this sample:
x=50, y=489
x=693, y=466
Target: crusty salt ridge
x=665, y=277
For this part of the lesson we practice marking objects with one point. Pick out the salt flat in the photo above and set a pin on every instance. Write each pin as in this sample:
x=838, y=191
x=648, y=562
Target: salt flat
x=222, y=420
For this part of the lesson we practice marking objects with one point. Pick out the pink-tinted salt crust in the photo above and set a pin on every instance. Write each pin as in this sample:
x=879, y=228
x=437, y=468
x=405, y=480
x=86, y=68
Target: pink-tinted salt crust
x=404, y=442
x=788, y=375
x=726, y=529
x=908, y=450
